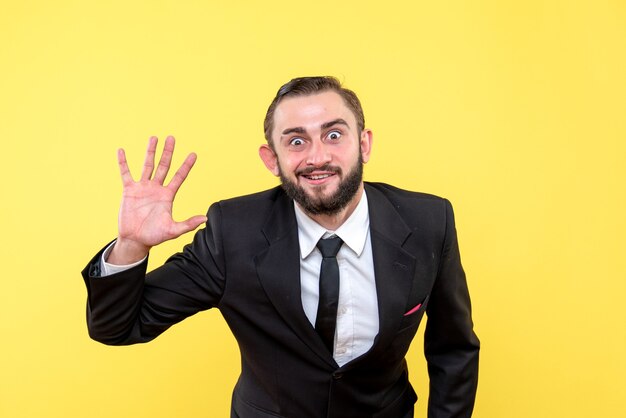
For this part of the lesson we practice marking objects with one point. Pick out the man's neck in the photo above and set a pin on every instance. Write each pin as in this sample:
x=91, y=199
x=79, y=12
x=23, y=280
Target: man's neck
x=334, y=221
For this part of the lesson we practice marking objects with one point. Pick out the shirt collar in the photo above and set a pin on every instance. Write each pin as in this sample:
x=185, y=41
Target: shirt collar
x=353, y=231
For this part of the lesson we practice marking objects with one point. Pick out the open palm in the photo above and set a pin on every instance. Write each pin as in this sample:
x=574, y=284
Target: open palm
x=145, y=217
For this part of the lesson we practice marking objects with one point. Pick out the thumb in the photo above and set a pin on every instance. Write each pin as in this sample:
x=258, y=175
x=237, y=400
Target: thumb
x=190, y=224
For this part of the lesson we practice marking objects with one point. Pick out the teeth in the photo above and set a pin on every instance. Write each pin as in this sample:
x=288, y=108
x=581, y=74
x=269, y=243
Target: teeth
x=322, y=176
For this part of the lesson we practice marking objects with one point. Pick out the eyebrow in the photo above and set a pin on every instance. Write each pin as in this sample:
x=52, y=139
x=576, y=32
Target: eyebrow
x=326, y=125
x=335, y=122
x=298, y=130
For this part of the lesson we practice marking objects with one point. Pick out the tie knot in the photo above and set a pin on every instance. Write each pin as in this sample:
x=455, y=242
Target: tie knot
x=329, y=247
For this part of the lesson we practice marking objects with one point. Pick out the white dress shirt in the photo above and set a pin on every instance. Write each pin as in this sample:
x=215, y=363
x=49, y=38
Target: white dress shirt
x=357, y=312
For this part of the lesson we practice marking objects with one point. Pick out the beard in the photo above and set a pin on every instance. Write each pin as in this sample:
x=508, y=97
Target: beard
x=326, y=205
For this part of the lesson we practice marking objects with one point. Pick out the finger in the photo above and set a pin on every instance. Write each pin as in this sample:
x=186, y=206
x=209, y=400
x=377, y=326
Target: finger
x=148, y=164
x=127, y=178
x=188, y=225
x=165, y=161
x=182, y=172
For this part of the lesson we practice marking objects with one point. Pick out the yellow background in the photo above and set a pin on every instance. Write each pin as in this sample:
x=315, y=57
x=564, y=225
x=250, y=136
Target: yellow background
x=514, y=110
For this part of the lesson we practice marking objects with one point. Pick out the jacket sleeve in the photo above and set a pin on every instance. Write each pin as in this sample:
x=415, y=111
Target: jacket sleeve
x=450, y=344
x=133, y=307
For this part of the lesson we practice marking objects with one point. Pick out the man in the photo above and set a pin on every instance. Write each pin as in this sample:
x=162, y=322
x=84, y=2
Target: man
x=320, y=334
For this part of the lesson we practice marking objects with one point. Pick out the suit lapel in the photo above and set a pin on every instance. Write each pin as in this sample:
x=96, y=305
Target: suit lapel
x=394, y=268
x=278, y=269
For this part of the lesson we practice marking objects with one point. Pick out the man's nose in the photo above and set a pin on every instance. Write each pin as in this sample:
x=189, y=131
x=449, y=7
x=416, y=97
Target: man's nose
x=319, y=154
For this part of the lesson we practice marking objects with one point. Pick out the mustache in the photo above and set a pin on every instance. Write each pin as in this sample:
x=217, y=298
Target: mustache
x=326, y=167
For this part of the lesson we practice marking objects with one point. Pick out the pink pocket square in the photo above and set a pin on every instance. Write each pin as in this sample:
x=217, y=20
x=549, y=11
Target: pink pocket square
x=413, y=310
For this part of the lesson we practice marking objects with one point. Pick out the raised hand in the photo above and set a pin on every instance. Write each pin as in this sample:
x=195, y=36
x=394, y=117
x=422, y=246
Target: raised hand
x=145, y=217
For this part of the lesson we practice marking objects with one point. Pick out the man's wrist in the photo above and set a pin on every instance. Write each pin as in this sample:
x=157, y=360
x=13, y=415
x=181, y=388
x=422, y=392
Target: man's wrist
x=126, y=252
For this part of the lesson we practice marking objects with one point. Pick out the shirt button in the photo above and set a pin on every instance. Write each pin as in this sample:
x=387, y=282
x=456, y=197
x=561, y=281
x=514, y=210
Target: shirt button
x=340, y=351
x=337, y=375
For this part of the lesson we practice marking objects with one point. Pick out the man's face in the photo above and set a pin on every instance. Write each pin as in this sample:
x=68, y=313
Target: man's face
x=318, y=152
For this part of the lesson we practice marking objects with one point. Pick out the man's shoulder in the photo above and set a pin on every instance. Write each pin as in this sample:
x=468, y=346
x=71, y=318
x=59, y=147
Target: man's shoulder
x=395, y=193
x=261, y=197
x=419, y=211
x=413, y=207
x=252, y=206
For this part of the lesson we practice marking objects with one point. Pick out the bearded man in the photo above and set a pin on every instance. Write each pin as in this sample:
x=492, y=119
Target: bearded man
x=323, y=280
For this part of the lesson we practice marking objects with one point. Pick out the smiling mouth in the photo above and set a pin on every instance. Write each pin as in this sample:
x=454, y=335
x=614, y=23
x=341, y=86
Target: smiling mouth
x=317, y=176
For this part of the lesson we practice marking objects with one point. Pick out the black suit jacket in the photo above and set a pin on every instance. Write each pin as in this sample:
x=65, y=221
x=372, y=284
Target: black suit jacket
x=246, y=263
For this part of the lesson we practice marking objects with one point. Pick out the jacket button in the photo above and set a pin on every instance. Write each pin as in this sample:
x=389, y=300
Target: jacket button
x=337, y=375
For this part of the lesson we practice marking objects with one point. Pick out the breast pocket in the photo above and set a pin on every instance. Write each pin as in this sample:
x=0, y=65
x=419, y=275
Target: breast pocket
x=413, y=315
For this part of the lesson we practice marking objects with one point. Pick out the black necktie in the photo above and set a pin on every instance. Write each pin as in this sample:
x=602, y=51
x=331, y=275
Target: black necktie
x=329, y=291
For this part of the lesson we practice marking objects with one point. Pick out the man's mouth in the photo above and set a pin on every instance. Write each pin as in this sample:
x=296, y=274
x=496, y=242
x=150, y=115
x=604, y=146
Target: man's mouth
x=317, y=176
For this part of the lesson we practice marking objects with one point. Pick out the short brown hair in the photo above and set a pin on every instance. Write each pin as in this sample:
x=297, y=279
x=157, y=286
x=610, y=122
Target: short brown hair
x=305, y=86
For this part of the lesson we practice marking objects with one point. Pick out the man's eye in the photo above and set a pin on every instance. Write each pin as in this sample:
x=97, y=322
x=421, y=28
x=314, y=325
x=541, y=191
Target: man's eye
x=334, y=135
x=296, y=141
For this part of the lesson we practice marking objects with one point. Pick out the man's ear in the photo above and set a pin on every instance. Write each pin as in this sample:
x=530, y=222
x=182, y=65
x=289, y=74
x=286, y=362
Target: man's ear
x=268, y=156
x=367, y=138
